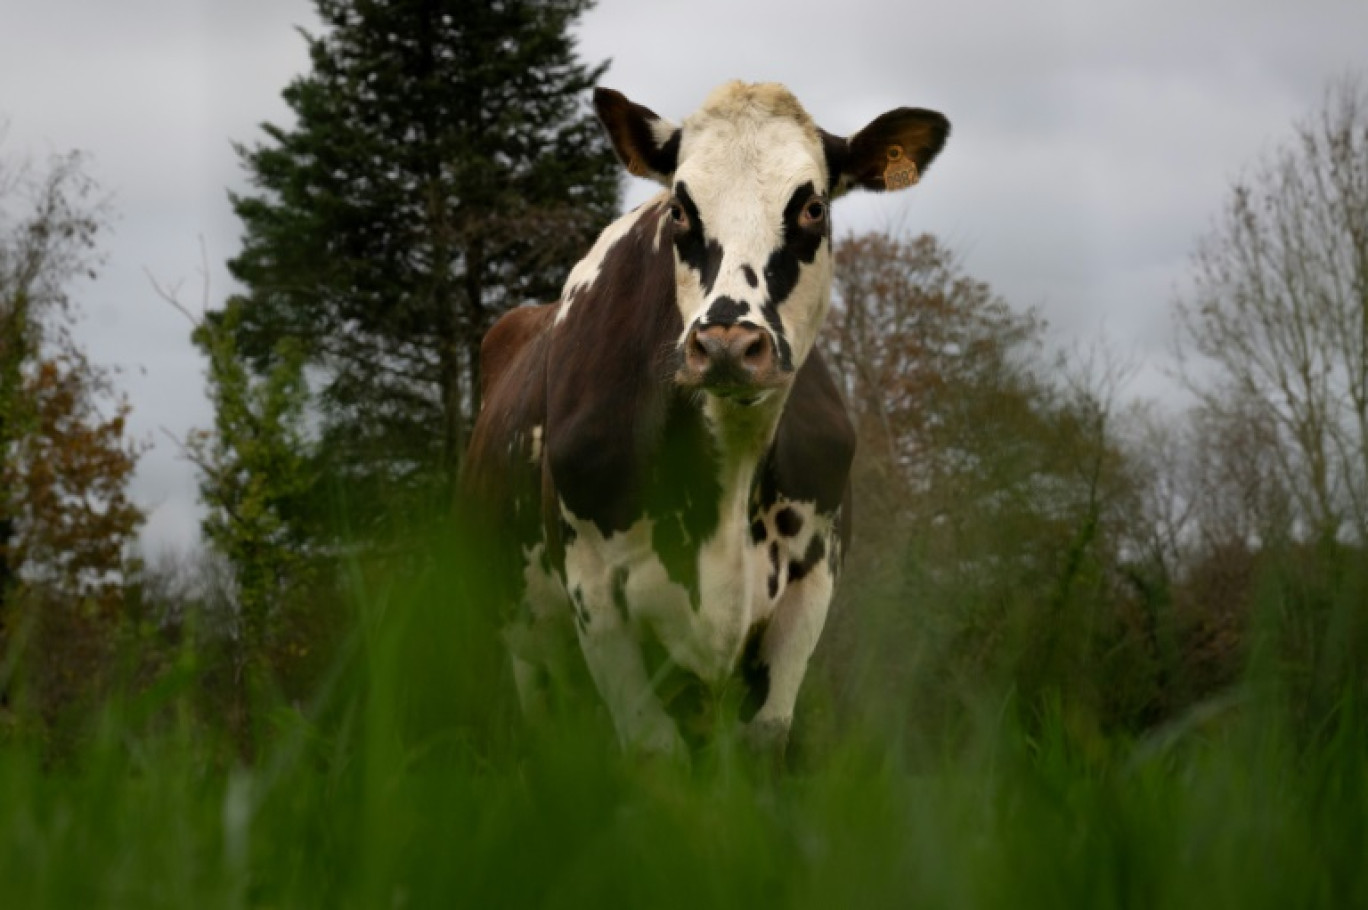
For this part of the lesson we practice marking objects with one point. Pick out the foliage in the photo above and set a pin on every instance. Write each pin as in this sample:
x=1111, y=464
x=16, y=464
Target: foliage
x=1280, y=309
x=255, y=471
x=68, y=477
x=443, y=168
x=48, y=225
x=992, y=495
x=920, y=345
x=1083, y=654
x=406, y=780
x=66, y=522
x=265, y=574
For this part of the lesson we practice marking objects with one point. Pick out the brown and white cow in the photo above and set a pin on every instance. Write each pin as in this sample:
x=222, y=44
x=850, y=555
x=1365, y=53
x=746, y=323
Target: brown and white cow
x=664, y=450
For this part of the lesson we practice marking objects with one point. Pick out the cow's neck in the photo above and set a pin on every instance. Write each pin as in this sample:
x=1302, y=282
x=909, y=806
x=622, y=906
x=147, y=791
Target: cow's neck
x=742, y=434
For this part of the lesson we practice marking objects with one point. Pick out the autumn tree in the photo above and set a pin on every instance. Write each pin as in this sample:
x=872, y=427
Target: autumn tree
x=65, y=459
x=444, y=167
x=47, y=234
x=925, y=352
x=991, y=489
x=1276, y=323
x=68, y=476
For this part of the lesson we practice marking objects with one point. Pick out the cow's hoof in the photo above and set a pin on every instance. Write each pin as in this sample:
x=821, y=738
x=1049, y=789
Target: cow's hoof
x=767, y=739
x=662, y=744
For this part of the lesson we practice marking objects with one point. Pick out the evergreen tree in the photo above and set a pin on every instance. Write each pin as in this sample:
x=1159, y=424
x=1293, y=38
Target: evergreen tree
x=444, y=168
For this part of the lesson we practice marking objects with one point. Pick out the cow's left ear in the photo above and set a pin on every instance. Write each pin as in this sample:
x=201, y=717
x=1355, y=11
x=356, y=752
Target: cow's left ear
x=647, y=145
x=890, y=153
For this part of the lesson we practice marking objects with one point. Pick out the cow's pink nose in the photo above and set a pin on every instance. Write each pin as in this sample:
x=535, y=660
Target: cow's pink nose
x=729, y=354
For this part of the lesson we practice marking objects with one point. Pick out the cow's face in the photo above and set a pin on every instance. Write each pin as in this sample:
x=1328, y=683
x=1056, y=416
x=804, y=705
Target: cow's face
x=751, y=180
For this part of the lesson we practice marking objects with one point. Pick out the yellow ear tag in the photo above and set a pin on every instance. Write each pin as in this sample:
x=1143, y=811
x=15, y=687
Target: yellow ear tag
x=901, y=171
x=636, y=167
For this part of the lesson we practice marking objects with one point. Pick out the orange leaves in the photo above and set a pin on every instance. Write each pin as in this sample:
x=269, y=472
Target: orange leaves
x=916, y=342
x=66, y=475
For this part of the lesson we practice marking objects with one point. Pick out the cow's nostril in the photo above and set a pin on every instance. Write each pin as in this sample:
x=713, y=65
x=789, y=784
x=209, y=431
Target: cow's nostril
x=696, y=349
x=729, y=354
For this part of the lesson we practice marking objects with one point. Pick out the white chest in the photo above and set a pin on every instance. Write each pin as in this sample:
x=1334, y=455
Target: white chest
x=742, y=572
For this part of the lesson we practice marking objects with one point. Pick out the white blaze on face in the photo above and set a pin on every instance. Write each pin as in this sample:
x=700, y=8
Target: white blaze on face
x=742, y=159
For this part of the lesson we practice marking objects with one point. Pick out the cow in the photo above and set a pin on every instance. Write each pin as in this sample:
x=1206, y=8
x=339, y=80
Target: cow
x=663, y=454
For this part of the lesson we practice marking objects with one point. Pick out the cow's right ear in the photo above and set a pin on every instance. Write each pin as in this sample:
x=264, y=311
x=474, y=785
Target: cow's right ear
x=647, y=145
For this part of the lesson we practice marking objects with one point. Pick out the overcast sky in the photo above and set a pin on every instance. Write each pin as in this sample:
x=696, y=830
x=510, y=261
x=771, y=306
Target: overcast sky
x=1092, y=143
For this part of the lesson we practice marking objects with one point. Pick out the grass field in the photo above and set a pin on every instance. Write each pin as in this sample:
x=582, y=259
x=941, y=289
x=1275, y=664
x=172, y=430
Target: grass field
x=410, y=782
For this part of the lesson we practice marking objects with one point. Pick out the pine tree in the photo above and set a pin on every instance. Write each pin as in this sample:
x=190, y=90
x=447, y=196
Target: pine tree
x=444, y=168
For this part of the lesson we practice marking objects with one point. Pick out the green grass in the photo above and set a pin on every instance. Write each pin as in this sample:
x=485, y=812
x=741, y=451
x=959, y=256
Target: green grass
x=410, y=782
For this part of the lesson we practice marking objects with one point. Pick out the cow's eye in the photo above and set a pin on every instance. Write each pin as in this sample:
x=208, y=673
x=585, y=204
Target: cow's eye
x=814, y=212
x=678, y=215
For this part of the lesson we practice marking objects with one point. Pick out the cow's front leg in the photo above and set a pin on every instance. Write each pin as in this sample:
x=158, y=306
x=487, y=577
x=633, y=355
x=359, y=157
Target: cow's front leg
x=596, y=576
x=539, y=637
x=775, y=668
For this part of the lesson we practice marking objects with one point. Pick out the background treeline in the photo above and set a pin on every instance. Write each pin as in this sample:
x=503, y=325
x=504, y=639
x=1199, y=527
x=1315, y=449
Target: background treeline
x=1027, y=534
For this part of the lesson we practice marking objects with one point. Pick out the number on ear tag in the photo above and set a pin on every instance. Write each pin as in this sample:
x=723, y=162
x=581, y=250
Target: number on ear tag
x=901, y=171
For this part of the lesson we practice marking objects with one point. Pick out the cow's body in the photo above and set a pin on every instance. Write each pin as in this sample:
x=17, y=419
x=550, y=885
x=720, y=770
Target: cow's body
x=663, y=450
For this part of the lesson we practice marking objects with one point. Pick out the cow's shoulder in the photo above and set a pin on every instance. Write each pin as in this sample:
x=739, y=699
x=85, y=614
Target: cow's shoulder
x=508, y=341
x=610, y=365
x=815, y=442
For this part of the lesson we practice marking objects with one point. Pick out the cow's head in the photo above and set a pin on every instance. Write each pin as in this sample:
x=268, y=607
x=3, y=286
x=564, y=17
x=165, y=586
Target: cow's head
x=751, y=181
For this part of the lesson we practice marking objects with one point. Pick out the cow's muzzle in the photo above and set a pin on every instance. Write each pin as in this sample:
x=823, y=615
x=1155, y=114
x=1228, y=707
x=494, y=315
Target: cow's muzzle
x=729, y=359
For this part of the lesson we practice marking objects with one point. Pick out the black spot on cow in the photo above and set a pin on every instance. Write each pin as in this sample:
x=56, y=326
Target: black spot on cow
x=567, y=533
x=726, y=311
x=668, y=156
x=771, y=314
x=683, y=495
x=788, y=522
x=669, y=540
x=816, y=549
x=581, y=614
x=799, y=246
x=750, y=276
x=754, y=672
x=619, y=590
x=764, y=491
x=812, y=451
x=697, y=252
x=837, y=153
x=712, y=264
x=774, y=570
x=758, y=532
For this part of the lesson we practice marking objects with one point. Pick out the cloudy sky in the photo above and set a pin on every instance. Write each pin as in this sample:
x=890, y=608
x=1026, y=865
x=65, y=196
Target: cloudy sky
x=1093, y=143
